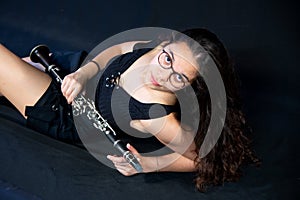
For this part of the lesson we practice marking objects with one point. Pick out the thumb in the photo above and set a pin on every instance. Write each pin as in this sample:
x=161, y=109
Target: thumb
x=132, y=149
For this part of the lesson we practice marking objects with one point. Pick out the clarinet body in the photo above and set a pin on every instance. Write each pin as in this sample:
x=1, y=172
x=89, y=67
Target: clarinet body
x=82, y=105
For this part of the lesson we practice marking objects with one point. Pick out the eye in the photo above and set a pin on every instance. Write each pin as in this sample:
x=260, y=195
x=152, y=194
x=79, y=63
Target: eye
x=165, y=59
x=178, y=78
x=168, y=59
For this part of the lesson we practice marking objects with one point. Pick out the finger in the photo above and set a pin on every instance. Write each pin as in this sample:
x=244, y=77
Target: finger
x=65, y=82
x=70, y=88
x=68, y=97
x=116, y=159
x=122, y=164
x=65, y=87
x=132, y=149
x=124, y=168
x=73, y=95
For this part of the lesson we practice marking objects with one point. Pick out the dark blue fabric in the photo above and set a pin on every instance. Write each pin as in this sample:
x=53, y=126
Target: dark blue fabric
x=68, y=61
x=263, y=40
x=12, y=192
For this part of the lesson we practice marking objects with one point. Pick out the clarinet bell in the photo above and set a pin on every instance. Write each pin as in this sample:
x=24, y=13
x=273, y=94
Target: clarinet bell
x=40, y=54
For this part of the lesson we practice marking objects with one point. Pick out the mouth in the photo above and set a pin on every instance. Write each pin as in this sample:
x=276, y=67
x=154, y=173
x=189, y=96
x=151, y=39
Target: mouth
x=153, y=81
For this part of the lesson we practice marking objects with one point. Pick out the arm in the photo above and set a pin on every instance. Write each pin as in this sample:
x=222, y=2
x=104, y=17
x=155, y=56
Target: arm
x=168, y=131
x=74, y=83
x=173, y=162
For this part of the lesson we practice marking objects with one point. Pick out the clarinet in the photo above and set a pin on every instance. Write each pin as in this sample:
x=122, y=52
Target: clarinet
x=82, y=105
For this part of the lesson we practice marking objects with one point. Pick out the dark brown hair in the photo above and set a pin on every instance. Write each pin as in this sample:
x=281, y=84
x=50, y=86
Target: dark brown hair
x=233, y=148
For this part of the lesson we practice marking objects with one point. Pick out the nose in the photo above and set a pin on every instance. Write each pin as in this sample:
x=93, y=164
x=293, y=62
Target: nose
x=163, y=76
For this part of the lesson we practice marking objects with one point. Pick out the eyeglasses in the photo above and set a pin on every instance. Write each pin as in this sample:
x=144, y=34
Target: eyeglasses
x=177, y=80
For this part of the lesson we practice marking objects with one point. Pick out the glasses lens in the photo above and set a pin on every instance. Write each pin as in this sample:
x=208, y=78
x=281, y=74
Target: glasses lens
x=165, y=60
x=177, y=80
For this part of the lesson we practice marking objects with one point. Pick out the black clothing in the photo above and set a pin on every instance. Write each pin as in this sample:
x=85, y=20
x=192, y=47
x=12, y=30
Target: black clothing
x=52, y=115
x=119, y=108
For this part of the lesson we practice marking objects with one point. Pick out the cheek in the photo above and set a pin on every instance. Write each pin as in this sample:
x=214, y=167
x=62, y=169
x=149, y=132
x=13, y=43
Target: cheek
x=154, y=69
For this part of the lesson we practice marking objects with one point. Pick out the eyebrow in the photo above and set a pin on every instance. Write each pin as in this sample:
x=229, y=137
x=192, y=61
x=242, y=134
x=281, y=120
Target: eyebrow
x=172, y=55
x=186, y=77
x=171, y=52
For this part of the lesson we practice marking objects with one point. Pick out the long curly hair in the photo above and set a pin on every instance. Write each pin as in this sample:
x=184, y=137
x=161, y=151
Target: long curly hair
x=233, y=148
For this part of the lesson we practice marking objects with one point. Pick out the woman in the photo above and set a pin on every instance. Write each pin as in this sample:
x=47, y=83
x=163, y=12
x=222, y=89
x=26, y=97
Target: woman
x=163, y=71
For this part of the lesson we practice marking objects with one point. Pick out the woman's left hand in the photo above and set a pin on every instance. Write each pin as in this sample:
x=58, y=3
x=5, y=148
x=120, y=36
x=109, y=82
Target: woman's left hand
x=123, y=166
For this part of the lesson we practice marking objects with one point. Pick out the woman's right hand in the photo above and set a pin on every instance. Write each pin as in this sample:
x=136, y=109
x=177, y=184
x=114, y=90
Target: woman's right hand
x=73, y=84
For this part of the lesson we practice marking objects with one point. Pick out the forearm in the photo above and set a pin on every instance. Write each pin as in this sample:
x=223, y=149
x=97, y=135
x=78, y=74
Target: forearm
x=182, y=144
x=89, y=70
x=170, y=163
x=173, y=162
x=169, y=131
x=100, y=61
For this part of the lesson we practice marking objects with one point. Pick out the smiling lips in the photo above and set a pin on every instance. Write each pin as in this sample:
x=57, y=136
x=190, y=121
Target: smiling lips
x=154, y=82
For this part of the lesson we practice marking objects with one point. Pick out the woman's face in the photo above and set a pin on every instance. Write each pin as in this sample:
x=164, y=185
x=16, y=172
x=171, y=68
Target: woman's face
x=172, y=68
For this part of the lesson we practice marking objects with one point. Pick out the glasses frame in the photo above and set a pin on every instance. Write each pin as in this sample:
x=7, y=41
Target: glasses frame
x=174, y=73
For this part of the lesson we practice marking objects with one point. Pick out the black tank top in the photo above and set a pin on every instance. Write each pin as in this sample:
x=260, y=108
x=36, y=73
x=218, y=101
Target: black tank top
x=119, y=108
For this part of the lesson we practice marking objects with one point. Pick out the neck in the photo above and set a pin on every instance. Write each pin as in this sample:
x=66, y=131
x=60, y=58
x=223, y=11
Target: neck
x=132, y=81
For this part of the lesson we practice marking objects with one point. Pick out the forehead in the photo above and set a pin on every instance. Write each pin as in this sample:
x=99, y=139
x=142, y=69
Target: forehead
x=184, y=61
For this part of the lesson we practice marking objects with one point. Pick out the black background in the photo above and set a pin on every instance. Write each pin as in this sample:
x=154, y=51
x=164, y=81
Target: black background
x=261, y=36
